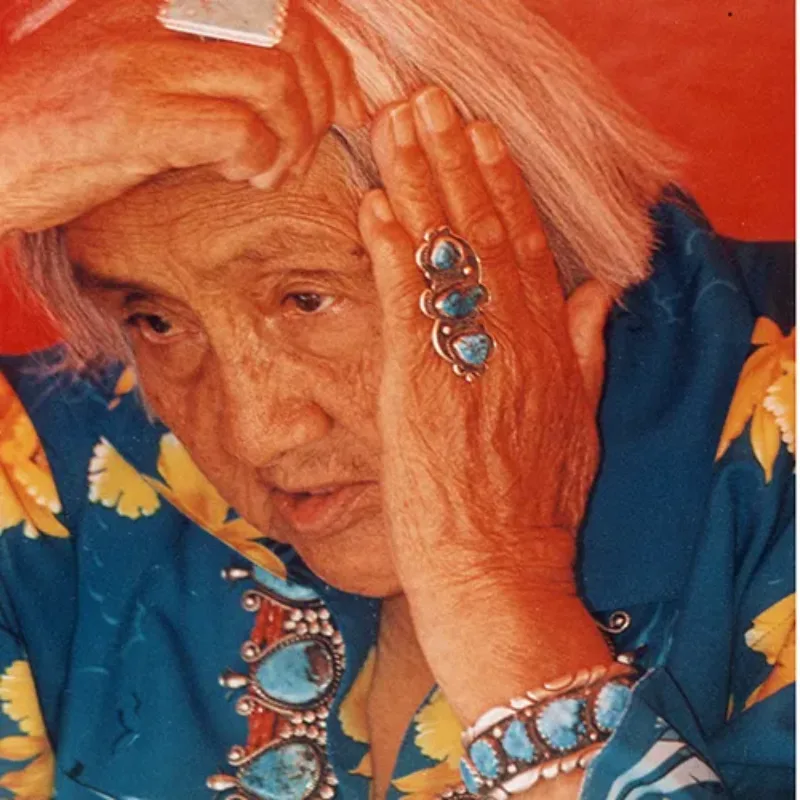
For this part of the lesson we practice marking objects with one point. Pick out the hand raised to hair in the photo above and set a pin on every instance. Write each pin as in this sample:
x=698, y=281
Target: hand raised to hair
x=103, y=97
x=485, y=483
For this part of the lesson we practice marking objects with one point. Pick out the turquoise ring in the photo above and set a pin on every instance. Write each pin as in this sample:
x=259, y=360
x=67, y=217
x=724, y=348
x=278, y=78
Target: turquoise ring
x=453, y=299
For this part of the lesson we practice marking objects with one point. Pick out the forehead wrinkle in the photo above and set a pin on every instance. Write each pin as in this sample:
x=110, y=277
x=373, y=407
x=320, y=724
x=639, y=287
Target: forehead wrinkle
x=190, y=225
x=314, y=243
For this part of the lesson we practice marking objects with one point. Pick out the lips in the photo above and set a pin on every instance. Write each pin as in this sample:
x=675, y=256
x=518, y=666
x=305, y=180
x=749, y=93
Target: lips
x=318, y=510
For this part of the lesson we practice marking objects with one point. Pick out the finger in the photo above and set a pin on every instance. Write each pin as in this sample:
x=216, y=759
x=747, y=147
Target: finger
x=313, y=78
x=467, y=203
x=587, y=314
x=183, y=132
x=406, y=175
x=392, y=254
x=511, y=199
x=459, y=181
x=350, y=110
x=265, y=80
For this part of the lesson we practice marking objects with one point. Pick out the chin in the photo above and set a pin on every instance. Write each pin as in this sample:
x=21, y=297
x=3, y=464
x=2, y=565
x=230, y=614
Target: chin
x=357, y=560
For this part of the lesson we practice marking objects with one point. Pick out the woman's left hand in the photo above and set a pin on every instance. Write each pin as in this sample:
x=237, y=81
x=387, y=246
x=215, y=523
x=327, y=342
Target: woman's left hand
x=485, y=484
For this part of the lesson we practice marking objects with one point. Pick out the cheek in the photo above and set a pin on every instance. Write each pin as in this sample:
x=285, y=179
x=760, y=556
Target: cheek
x=191, y=411
x=358, y=381
x=165, y=396
x=176, y=403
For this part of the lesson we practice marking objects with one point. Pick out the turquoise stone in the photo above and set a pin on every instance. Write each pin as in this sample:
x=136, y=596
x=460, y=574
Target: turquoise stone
x=288, y=772
x=485, y=759
x=284, y=589
x=468, y=776
x=473, y=348
x=444, y=256
x=610, y=705
x=560, y=723
x=298, y=673
x=517, y=743
x=458, y=304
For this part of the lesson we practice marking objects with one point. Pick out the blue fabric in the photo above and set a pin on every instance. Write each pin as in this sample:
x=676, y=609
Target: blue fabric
x=127, y=625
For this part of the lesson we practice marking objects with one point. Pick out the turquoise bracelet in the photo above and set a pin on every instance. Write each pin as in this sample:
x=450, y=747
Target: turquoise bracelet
x=551, y=731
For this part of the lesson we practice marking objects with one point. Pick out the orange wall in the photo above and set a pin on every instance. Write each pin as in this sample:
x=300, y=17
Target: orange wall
x=716, y=78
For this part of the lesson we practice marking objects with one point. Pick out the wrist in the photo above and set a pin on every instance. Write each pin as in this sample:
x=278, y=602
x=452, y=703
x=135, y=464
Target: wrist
x=534, y=562
x=547, y=732
x=489, y=644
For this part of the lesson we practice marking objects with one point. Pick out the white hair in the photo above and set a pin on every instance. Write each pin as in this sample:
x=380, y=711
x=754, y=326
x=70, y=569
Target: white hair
x=593, y=167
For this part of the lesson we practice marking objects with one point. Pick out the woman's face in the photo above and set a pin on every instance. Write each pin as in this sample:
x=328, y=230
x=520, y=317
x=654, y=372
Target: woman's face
x=256, y=330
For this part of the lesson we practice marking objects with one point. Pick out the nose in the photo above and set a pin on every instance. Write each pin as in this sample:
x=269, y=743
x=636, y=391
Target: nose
x=267, y=409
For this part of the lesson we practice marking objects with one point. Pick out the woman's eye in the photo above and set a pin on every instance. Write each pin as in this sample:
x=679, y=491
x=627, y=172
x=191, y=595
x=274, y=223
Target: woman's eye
x=309, y=302
x=153, y=327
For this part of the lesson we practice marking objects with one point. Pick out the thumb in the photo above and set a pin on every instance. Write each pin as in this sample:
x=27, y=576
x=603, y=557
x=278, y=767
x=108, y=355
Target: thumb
x=587, y=312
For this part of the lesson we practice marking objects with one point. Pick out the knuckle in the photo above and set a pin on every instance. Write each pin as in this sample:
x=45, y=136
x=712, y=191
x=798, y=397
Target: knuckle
x=505, y=188
x=414, y=193
x=455, y=161
x=532, y=244
x=485, y=230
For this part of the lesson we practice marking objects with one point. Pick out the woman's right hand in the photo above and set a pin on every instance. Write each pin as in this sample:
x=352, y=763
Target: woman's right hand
x=103, y=97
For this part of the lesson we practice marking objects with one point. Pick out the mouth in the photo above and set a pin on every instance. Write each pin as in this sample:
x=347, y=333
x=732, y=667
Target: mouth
x=319, y=509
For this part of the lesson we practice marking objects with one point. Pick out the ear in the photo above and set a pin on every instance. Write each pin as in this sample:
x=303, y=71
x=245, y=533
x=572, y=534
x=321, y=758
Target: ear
x=587, y=313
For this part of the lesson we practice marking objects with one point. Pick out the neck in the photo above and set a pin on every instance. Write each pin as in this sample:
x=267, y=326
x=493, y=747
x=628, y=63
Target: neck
x=396, y=636
x=401, y=682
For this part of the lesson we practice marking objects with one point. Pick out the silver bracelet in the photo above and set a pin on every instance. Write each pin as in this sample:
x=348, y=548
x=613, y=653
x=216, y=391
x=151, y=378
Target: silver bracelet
x=550, y=731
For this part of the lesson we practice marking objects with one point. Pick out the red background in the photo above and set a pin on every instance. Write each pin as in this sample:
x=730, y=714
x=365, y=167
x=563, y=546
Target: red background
x=716, y=77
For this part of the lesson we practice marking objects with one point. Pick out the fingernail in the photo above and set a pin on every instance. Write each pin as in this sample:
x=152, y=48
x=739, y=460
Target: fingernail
x=403, y=126
x=436, y=110
x=488, y=144
x=269, y=180
x=381, y=207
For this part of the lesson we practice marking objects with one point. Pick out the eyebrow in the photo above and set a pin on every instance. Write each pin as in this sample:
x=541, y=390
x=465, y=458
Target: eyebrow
x=135, y=289
x=88, y=280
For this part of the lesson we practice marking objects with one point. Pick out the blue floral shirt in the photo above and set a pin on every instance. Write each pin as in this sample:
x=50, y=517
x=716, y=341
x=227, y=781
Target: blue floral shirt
x=153, y=645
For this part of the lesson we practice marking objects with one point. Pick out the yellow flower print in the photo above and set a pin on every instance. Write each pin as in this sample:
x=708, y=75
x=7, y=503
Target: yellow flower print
x=353, y=712
x=193, y=495
x=773, y=634
x=116, y=484
x=439, y=738
x=19, y=702
x=428, y=784
x=780, y=402
x=125, y=383
x=764, y=395
x=28, y=492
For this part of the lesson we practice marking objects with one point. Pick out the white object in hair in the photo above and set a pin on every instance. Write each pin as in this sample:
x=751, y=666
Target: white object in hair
x=257, y=22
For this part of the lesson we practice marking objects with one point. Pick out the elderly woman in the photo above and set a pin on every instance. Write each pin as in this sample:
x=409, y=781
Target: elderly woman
x=335, y=269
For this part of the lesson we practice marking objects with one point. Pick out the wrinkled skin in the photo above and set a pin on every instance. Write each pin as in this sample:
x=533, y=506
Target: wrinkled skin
x=126, y=100
x=263, y=393
x=472, y=493
x=277, y=333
